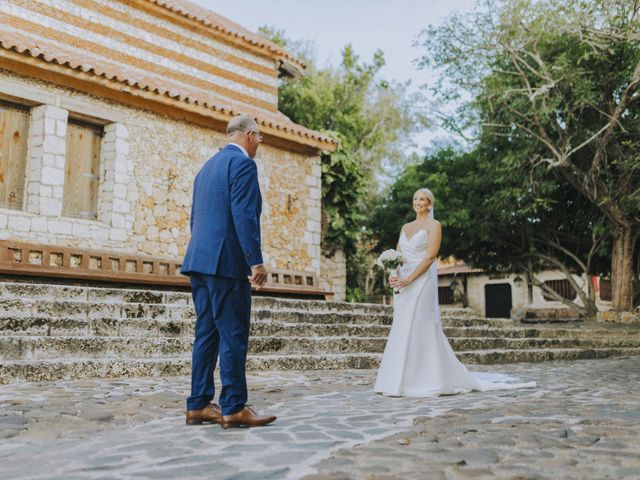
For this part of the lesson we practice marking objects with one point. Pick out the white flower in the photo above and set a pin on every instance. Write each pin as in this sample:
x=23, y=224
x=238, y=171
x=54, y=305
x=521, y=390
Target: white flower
x=390, y=259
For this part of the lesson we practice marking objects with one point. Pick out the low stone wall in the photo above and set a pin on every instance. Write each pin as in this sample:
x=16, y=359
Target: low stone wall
x=612, y=316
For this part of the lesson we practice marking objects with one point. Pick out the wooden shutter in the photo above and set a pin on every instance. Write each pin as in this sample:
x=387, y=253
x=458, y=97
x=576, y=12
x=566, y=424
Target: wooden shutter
x=81, y=170
x=14, y=128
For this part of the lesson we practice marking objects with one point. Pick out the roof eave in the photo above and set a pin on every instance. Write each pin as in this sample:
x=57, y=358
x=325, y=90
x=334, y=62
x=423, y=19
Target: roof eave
x=281, y=134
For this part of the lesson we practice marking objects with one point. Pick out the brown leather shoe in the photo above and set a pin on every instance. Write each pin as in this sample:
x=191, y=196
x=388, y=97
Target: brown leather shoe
x=209, y=414
x=247, y=417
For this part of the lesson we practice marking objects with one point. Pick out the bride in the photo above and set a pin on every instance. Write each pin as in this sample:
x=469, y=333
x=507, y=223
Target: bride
x=418, y=360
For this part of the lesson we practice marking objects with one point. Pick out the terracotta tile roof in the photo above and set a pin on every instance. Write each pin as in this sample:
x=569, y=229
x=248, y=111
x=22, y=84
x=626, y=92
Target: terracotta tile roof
x=222, y=24
x=457, y=269
x=125, y=76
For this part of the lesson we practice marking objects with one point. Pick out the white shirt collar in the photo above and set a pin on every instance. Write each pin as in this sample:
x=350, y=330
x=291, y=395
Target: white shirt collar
x=240, y=147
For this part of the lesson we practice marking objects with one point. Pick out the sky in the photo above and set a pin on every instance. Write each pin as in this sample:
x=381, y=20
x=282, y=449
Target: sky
x=388, y=25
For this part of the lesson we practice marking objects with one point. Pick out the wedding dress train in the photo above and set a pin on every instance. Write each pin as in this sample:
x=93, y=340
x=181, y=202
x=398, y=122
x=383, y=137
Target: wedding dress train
x=418, y=360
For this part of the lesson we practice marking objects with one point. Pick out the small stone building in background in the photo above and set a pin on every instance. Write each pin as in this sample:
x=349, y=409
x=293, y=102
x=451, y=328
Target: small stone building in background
x=110, y=107
x=510, y=295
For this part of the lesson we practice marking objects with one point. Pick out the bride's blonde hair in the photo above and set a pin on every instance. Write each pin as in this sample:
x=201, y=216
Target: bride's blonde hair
x=429, y=195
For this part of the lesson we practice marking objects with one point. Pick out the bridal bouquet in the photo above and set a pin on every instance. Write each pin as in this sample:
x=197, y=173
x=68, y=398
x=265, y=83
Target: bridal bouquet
x=391, y=260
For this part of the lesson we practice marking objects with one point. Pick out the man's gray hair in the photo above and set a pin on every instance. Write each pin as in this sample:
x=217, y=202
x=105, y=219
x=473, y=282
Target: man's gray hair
x=242, y=124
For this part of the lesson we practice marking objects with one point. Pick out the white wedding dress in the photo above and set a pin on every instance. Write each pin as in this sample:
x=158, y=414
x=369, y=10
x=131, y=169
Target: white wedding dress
x=418, y=360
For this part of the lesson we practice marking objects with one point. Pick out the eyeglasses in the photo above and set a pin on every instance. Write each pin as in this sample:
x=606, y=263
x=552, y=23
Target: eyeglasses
x=257, y=134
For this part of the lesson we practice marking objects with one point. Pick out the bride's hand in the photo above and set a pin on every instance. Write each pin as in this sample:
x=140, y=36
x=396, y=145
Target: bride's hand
x=401, y=283
x=393, y=279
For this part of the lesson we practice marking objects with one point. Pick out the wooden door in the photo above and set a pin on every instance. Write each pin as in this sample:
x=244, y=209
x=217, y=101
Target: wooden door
x=498, y=301
x=82, y=170
x=14, y=129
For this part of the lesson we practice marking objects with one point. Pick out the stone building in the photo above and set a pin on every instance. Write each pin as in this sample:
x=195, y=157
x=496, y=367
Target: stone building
x=108, y=110
x=509, y=295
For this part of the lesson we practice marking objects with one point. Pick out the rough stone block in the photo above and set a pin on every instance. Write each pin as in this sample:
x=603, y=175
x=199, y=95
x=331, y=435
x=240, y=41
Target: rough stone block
x=315, y=193
x=81, y=230
x=52, y=176
x=117, y=220
x=39, y=224
x=120, y=130
x=59, y=227
x=44, y=191
x=120, y=206
x=119, y=190
x=50, y=207
x=60, y=161
x=56, y=113
x=118, y=234
x=19, y=223
x=53, y=144
x=122, y=146
x=36, y=129
x=61, y=128
x=49, y=126
x=628, y=318
x=99, y=233
x=49, y=160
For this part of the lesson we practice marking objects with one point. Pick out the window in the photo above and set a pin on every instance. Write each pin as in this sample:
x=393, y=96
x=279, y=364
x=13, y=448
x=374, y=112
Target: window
x=14, y=127
x=605, y=290
x=561, y=287
x=81, y=170
x=445, y=296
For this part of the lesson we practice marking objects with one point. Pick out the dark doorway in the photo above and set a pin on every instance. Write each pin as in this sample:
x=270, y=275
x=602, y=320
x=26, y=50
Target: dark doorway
x=497, y=299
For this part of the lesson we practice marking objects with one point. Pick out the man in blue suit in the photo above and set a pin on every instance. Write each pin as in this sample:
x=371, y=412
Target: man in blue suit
x=223, y=259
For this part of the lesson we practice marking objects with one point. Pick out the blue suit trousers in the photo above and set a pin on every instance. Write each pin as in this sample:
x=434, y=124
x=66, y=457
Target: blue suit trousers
x=223, y=308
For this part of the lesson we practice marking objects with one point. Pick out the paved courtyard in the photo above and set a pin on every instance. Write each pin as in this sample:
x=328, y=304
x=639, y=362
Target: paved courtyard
x=581, y=422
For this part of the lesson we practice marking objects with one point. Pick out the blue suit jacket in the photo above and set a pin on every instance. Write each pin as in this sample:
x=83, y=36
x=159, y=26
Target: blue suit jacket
x=225, y=217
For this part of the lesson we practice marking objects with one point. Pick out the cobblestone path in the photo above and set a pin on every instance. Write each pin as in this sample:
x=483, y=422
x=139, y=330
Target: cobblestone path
x=582, y=421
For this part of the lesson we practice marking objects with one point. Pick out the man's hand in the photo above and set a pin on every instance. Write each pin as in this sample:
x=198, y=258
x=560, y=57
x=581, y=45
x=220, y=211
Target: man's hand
x=258, y=276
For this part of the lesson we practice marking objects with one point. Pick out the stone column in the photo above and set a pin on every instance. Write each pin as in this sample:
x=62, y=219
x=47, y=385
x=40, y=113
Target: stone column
x=313, y=229
x=46, y=160
x=334, y=275
x=114, y=207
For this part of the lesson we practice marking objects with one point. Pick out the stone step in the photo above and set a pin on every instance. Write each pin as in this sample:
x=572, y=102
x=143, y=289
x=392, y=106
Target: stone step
x=47, y=370
x=53, y=292
x=585, y=331
x=534, y=356
x=492, y=343
x=154, y=328
x=47, y=348
x=52, y=326
x=82, y=309
x=102, y=295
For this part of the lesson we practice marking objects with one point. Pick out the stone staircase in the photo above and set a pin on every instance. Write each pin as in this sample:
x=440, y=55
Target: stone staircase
x=52, y=332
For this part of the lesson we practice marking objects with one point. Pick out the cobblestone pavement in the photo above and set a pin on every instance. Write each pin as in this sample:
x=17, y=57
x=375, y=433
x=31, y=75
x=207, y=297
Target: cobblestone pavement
x=582, y=421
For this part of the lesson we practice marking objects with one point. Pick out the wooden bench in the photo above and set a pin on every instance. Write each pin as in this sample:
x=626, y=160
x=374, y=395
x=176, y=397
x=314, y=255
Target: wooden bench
x=71, y=263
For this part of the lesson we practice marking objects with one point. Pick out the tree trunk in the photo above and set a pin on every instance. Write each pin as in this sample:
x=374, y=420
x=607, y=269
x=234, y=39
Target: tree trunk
x=622, y=269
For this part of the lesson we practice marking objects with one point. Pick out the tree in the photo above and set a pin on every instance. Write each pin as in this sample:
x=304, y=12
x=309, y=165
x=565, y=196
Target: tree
x=498, y=218
x=371, y=118
x=558, y=81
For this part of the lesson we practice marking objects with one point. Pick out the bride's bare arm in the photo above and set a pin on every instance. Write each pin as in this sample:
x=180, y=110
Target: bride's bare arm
x=393, y=277
x=433, y=247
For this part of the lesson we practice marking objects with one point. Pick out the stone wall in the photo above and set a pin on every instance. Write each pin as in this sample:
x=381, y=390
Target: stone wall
x=148, y=163
x=334, y=275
